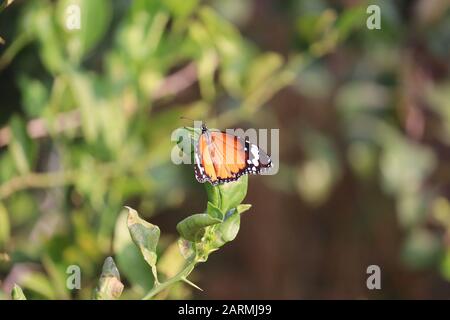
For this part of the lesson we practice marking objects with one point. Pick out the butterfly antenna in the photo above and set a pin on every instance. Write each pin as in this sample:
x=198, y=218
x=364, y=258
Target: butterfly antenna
x=186, y=118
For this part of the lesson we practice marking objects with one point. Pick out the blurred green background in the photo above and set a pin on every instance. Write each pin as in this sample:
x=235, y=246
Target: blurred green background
x=364, y=117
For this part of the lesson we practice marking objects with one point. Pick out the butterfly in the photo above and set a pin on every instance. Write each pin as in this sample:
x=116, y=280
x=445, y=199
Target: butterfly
x=221, y=157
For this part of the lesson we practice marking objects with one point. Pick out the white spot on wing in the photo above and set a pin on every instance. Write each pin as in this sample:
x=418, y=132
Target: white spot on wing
x=255, y=152
x=199, y=165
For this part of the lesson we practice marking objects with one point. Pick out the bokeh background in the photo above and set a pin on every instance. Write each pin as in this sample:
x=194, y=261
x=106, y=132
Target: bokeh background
x=364, y=117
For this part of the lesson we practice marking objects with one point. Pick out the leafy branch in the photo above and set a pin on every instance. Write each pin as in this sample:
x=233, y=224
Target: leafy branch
x=200, y=235
x=172, y=85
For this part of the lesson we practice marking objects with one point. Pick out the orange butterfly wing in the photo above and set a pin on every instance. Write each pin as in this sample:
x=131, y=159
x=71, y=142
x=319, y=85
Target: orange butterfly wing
x=222, y=157
x=229, y=151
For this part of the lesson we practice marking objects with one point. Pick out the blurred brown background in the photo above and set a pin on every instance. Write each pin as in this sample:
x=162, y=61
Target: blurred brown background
x=287, y=249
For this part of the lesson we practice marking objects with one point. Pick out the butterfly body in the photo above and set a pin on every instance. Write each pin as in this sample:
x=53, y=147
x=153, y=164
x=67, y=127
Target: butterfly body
x=221, y=157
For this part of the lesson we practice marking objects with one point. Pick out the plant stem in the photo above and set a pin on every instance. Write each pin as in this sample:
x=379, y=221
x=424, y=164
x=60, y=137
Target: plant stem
x=157, y=288
x=36, y=180
x=21, y=41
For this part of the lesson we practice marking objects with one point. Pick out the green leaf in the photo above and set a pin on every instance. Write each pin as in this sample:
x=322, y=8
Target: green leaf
x=41, y=23
x=214, y=211
x=193, y=227
x=109, y=287
x=56, y=269
x=225, y=35
x=228, y=230
x=20, y=145
x=17, y=293
x=39, y=283
x=230, y=227
x=145, y=235
x=35, y=95
x=5, y=228
x=243, y=207
x=181, y=8
x=228, y=195
x=350, y=20
x=81, y=86
x=129, y=258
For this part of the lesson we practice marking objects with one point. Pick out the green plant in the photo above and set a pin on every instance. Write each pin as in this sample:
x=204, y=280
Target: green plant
x=86, y=115
x=17, y=293
x=94, y=100
x=200, y=234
